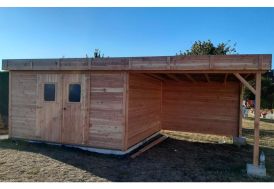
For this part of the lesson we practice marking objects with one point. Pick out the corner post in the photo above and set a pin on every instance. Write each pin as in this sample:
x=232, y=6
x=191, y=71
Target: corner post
x=257, y=120
x=241, y=110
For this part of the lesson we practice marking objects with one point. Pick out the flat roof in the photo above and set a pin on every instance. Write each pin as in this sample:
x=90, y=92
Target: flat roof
x=241, y=62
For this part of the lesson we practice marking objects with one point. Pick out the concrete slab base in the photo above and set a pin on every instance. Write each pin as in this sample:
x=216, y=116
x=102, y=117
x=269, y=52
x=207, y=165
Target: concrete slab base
x=256, y=171
x=239, y=141
x=101, y=150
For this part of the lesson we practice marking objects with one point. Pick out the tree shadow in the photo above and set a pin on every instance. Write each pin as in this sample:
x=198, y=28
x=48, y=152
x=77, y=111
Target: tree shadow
x=172, y=160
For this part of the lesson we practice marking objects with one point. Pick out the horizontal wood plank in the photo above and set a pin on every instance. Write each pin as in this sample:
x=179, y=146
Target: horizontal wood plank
x=180, y=63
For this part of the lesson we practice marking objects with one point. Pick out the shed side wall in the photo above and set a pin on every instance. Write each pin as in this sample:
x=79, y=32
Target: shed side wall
x=107, y=118
x=144, y=108
x=208, y=108
x=23, y=105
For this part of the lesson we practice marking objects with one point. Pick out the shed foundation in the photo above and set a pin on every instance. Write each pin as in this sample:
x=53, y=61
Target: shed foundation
x=256, y=171
x=239, y=141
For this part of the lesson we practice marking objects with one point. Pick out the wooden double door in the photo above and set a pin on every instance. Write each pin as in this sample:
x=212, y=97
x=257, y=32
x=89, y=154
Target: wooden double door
x=62, y=107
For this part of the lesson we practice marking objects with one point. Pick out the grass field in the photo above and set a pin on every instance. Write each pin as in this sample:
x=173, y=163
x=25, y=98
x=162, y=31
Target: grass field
x=182, y=157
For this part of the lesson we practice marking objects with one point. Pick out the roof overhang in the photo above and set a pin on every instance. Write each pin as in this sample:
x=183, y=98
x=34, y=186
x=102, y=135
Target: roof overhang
x=200, y=63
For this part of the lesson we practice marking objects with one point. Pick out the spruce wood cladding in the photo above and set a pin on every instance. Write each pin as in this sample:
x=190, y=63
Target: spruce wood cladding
x=209, y=108
x=115, y=103
x=144, y=108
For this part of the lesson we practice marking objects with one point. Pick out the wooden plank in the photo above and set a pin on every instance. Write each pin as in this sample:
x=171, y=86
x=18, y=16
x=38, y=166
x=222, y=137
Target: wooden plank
x=107, y=105
x=186, y=106
x=245, y=83
x=257, y=120
x=247, y=76
x=125, y=109
x=49, y=113
x=225, y=78
x=144, y=107
x=207, y=77
x=190, y=78
x=183, y=63
x=172, y=76
x=157, y=76
x=10, y=105
x=241, y=110
x=88, y=109
x=147, y=147
x=23, y=104
x=150, y=76
x=74, y=113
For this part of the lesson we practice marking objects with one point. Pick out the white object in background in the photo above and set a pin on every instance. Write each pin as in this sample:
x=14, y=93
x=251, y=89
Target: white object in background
x=262, y=160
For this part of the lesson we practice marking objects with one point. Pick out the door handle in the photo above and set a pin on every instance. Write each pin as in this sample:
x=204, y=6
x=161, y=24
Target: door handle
x=64, y=108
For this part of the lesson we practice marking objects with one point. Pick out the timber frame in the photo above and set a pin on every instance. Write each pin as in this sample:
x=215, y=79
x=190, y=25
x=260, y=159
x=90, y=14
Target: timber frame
x=177, y=68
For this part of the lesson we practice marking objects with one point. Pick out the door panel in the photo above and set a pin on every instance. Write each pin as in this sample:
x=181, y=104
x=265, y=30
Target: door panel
x=75, y=108
x=49, y=107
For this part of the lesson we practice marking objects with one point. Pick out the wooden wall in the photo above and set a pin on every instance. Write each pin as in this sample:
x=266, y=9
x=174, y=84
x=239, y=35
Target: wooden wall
x=32, y=118
x=201, y=107
x=125, y=108
x=107, y=114
x=23, y=105
x=144, y=108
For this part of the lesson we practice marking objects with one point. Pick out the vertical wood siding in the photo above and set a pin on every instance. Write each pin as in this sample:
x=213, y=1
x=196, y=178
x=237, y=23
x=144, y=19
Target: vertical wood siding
x=75, y=114
x=49, y=114
x=209, y=108
x=144, y=108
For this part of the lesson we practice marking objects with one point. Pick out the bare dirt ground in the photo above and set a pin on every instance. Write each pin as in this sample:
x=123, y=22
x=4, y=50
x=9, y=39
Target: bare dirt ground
x=182, y=157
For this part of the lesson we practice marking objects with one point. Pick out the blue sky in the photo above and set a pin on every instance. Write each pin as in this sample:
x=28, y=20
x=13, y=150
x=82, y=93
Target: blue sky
x=75, y=32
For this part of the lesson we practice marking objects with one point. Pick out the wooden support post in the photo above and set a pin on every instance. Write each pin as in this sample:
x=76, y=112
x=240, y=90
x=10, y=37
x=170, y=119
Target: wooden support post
x=241, y=110
x=257, y=120
x=10, y=105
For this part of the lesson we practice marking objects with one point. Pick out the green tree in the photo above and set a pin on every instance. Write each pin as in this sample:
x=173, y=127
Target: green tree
x=208, y=48
x=267, y=92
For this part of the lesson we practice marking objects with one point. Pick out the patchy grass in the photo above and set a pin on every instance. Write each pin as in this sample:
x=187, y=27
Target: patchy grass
x=182, y=157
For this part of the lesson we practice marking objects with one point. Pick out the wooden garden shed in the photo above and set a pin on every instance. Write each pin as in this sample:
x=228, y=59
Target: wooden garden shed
x=115, y=103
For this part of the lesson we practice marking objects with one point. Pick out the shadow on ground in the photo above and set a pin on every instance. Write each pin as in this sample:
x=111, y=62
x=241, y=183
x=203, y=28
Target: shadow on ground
x=171, y=160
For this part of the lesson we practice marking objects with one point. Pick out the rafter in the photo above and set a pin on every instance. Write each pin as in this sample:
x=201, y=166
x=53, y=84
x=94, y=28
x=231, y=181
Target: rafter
x=156, y=76
x=247, y=75
x=172, y=76
x=245, y=83
x=190, y=78
x=225, y=79
x=207, y=77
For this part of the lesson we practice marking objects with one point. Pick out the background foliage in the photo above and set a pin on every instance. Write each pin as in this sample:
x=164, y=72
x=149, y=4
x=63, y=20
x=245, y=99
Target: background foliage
x=4, y=97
